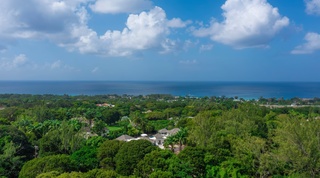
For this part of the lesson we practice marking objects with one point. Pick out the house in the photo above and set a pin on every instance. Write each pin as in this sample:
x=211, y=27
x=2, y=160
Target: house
x=125, y=138
x=105, y=105
x=147, y=138
x=173, y=131
x=163, y=132
x=157, y=139
x=166, y=133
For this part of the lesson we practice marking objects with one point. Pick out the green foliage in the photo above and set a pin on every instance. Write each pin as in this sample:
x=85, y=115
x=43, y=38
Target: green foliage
x=229, y=168
x=194, y=156
x=155, y=115
x=4, y=121
x=58, y=163
x=204, y=131
x=130, y=154
x=100, y=173
x=71, y=175
x=161, y=174
x=153, y=162
x=179, y=168
x=14, y=150
x=10, y=164
x=85, y=158
x=95, y=141
x=248, y=152
x=132, y=131
x=142, y=124
x=184, y=123
x=114, y=128
x=50, y=143
x=10, y=113
x=160, y=124
x=173, y=112
x=9, y=133
x=71, y=140
x=170, y=142
x=64, y=140
x=117, y=133
x=299, y=147
x=181, y=137
x=225, y=138
x=110, y=116
x=107, y=151
x=51, y=174
x=100, y=128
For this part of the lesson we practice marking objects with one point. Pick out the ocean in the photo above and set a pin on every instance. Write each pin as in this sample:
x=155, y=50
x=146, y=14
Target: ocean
x=246, y=90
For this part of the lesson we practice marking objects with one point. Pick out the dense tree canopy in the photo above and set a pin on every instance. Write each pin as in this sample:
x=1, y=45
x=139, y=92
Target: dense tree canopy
x=130, y=154
x=73, y=136
x=155, y=161
x=107, y=153
x=58, y=163
x=14, y=150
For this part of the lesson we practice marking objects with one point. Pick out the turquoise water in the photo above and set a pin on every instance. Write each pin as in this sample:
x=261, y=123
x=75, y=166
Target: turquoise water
x=246, y=90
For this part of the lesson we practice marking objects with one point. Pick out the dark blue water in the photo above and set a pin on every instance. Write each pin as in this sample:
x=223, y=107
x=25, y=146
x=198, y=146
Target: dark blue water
x=246, y=90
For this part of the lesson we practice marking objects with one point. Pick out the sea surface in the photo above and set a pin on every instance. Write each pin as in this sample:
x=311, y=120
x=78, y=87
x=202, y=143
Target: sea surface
x=246, y=90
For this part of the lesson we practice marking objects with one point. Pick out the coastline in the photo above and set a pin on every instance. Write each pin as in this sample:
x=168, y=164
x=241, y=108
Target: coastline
x=245, y=90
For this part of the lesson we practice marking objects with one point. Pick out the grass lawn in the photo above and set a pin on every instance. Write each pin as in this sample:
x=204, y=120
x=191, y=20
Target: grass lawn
x=114, y=128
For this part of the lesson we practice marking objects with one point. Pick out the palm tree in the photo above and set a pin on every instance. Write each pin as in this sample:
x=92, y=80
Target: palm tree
x=170, y=142
x=181, y=138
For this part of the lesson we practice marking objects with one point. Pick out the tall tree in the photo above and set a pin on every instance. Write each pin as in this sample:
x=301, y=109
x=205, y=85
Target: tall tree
x=204, y=129
x=59, y=163
x=107, y=152
x=299, y=145
x=194, y=156
x=130, y=154
x=181, y=137
x=63, y=140
x=152, y=162
x=14, y=150
x=170, y=142
x=85, y=158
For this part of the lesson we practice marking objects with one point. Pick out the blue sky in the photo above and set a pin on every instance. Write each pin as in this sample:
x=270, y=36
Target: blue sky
x=160, y=40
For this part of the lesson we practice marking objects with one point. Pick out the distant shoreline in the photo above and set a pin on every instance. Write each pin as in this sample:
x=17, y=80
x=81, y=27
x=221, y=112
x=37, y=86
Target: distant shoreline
x=288, y=106
x=245, y=90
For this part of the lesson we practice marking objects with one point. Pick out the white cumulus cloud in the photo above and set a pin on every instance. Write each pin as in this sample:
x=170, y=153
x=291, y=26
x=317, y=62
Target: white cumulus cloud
x=120, y=6
x=311, y=45
x=65, y=22
x=313, y=7
x=178, y=23
x=247, y=23
x=143, y=31
x=41, y=19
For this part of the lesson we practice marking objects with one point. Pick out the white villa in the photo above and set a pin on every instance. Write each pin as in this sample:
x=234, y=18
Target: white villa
x=157, y=139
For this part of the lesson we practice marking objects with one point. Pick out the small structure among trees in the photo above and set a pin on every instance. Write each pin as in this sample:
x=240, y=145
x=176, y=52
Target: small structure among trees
x=163, y=139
